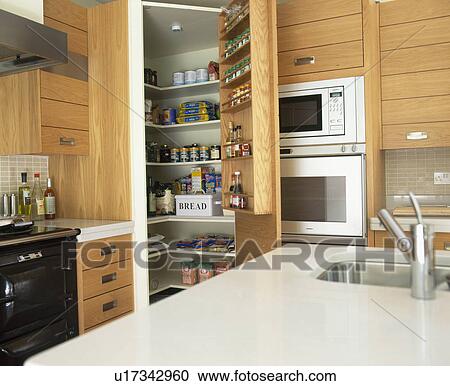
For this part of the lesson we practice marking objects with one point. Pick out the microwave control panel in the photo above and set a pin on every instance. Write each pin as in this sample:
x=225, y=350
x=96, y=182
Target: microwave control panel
x=336, y=110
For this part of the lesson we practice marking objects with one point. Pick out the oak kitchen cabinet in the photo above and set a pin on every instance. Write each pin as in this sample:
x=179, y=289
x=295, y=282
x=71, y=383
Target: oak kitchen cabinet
x=415, y=73
x=46, y=111
x=105, y=281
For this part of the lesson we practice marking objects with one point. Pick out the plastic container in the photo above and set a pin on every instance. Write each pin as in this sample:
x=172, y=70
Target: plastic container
x=201, y=75
x=178, y=78
x=190, y=77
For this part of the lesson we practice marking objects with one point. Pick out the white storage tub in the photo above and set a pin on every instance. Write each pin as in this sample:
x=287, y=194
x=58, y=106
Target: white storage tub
x=197, y=205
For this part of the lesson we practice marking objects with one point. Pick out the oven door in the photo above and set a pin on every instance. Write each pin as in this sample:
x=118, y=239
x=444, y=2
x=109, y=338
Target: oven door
x=323, y=196
x=304, y=113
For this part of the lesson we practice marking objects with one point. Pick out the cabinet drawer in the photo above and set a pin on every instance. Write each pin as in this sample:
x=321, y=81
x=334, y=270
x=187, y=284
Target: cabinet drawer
x=100, y=280
x=77, y=41
x=67, y=12
x=295, y=12
x=396, y=136
x=420, y=33
x=64, y=141
x=64, y=89
x=327, y=58
x=108, y=306
x=320, y=33
x=415, y=110
x=63, y=114
x=402, y=11
x=107, y=251
x=405, y=60
x=418, y=84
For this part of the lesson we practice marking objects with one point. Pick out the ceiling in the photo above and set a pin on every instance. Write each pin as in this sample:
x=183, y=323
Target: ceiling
x=199, y=31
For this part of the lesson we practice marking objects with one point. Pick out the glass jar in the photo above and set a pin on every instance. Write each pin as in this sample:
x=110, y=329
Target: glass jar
x=164, y=153
x=215, y=152
x=204, y=153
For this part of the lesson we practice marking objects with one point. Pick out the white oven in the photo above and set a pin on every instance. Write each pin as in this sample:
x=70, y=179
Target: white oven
x=323, y=195
x=323, y=112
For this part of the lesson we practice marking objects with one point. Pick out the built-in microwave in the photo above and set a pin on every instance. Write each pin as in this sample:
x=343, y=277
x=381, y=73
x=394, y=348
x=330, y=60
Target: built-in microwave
x=322, y=112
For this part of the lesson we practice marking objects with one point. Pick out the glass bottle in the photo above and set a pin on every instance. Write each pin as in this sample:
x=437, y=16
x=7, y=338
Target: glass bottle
x=37, y=199
x=50, y=201
x=24, y=196
x=151, y=195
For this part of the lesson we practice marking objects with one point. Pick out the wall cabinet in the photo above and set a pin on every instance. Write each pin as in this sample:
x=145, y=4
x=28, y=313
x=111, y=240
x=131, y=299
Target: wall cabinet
x=46, y=112
x=319, y=36
x=415, y=73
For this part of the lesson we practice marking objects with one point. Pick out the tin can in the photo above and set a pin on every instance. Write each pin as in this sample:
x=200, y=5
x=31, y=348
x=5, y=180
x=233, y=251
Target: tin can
x=190, y=77
x=178, y=78
x=194, y=154
x=175, y=155
x=201, y=75
x=184, y=154
x=204, y=153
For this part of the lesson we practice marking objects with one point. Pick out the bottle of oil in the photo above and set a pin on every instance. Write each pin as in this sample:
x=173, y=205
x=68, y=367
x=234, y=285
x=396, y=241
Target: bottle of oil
x=37, y=199
x=50, y=201
x=24, y=196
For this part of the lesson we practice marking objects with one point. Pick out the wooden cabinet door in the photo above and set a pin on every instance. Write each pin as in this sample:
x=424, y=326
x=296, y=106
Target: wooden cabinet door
x=20, y=118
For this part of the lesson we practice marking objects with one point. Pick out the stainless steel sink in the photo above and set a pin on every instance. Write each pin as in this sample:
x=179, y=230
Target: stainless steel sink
x=376, y=273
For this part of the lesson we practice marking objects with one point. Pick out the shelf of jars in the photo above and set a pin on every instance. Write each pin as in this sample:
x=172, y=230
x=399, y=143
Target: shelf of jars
x=235, y=51
x=236, y=21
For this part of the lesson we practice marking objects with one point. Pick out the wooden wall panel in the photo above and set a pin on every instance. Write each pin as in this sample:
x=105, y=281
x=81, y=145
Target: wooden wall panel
x=415, y=34
x=402, y=11
x=20, y=114
x=67, y=12
x=98, y=186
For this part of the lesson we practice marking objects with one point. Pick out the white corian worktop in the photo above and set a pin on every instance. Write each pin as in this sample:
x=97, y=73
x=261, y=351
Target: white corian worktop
x=92, y=229
x=259, y=316
x=440, y=224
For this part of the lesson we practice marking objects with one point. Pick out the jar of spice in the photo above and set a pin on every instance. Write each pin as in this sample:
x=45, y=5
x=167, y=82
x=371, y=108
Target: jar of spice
x=184, y=154
x=204, y=153
x=194, y=153
x=175, y=155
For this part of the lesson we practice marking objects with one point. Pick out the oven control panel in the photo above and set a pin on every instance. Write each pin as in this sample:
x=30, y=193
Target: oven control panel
x=336, y=110
x=30, y=256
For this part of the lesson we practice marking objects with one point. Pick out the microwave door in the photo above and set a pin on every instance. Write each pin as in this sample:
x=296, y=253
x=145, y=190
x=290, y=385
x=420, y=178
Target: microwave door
x=323, y=196
x=303, y=113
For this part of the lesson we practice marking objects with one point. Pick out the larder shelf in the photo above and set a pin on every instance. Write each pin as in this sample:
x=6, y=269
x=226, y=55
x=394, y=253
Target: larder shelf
x=245, y=77
x=184, y=125
x=199, y=163
x=187, y=90
x=226, y=108
x=213, y=219
x=237, y=55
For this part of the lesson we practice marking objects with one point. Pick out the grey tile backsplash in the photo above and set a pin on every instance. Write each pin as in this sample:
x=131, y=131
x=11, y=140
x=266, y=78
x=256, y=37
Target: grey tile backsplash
x=12, y=166
x=413, y=170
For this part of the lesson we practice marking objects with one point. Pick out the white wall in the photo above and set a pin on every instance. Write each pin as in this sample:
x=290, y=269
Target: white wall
x=31, y=9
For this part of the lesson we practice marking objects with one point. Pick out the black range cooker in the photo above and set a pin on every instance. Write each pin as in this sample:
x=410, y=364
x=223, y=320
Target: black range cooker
x=38, y=291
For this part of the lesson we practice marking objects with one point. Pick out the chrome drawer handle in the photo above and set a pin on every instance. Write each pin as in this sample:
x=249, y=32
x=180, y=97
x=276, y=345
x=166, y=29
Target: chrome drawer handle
x=109, y=278
x=109, y=306
x=67, y=141
x=108, y=250
x=416, y=135
x=305, y=60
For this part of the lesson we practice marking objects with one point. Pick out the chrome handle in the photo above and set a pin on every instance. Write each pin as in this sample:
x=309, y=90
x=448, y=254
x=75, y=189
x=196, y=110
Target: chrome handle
x=109, y=278
x=67, y=141
x=109, y=250
x=447, y=246
x=305, y=60
x=416, y=135
x=109, y=306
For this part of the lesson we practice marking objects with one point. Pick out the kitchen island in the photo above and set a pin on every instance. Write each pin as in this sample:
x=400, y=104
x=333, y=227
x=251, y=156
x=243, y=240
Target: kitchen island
x=258, y=315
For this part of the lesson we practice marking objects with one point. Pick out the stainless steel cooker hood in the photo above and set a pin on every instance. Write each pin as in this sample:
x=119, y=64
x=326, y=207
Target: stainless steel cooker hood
x=26, y=45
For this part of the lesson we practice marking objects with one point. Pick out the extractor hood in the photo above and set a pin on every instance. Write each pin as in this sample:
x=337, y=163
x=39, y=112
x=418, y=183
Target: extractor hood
x=26, y=45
